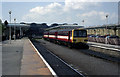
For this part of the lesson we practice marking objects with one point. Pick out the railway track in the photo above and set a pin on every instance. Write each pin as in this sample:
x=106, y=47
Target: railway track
x=60, y=67
x=100, y=54
x=80, y=59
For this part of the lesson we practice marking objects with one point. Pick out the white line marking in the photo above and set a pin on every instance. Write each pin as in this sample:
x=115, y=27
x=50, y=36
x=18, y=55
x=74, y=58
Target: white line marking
x=116, y=46
x=106, y=48
x=51, y=70
x=65, y=63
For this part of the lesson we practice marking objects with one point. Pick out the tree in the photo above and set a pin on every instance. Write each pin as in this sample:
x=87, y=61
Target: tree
x=0, y=21
x=65, y=23
x=75, y=24
x=0, y=30
x=44, y=24
x=53, y=25
x=22, y=23
x=5, y=23
x=0, y=27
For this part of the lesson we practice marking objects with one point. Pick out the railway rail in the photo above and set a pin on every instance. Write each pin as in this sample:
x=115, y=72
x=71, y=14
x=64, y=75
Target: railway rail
x=105, y=46
x=83, y=60
x=59, y=67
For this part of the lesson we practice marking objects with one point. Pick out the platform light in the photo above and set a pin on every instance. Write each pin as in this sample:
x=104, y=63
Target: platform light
x=83, y=22
x=10, y=27
x=14, y=29
x=106, y=27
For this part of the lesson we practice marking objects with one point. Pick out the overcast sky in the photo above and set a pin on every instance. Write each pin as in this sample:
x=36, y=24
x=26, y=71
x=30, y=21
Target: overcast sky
x=74, y=11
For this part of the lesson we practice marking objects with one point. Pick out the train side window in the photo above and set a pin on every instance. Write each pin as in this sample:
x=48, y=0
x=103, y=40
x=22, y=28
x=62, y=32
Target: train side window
x=63, y=33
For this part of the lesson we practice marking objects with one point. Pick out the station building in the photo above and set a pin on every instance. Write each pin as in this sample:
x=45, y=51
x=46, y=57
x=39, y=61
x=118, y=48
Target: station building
x=68, y=26
x=104, y=30
x=93, y=30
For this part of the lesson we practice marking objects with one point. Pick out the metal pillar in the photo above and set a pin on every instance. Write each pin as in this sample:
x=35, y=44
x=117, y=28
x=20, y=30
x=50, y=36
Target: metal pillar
x=10, y=28
x=20, y=32
x=14, y=29
x=83, y=23
x=106, y=29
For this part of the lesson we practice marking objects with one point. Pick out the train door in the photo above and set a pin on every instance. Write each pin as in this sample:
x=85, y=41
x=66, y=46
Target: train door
x=56, y=35
x=69, y=34
x=48, y=34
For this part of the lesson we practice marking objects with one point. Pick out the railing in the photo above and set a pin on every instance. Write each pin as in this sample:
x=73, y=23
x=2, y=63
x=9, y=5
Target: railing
x=113, y=41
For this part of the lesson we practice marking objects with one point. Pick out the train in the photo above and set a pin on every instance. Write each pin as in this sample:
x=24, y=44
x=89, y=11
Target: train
x=70, y=37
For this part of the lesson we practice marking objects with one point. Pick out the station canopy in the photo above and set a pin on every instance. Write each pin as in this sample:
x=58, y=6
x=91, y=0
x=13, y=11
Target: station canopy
x=68, y=26
x=18, y=25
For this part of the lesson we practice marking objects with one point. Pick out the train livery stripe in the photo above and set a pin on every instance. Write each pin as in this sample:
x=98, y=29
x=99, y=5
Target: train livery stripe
x=63, y=37
x=45, y=35
x=51, y=35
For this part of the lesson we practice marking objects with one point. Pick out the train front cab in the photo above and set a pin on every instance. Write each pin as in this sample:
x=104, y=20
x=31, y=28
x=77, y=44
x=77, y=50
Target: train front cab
x=79, y=38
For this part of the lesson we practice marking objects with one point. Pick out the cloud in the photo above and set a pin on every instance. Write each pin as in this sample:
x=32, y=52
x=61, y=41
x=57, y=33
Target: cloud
x=92, y=14
x=47, y=9
x=98, y=17
x=79, y=4
x=69, y=5
x=59, y=0
x=70, y=12
x=91, y=0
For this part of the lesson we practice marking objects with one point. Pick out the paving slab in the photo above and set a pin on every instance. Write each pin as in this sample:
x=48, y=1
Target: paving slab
x=11, y=57
x=0, y=59
x=20, y=58
x=32, y=64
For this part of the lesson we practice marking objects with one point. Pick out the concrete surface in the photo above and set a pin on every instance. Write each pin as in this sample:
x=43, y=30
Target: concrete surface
x=19, y=58
x=105, y=45
x=59, y=66
x=32, y=64
x=105, y=51
x=108, y=51
x=11, y=57
x=0, y=58
x=84, y=63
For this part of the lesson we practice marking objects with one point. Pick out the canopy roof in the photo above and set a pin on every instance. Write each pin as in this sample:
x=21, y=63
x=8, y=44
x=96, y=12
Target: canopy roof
x=18, y=25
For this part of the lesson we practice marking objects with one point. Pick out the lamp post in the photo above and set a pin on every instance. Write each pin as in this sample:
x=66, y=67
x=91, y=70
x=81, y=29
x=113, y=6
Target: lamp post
x=83, y=22
x=107, y=22
x=10, y=27
x=14, y=29
x=20, y=32
x=106, y=27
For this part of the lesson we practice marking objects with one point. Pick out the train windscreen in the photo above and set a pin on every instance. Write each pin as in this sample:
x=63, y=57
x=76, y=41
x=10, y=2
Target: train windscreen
x=80, y=33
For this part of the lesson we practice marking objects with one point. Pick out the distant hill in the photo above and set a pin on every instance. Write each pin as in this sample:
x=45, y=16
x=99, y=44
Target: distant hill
x=0, y=28
x=0, y=31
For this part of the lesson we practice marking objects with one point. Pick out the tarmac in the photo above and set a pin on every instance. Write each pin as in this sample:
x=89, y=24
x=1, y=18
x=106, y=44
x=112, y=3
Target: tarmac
x=0, y=58
x=20, y=58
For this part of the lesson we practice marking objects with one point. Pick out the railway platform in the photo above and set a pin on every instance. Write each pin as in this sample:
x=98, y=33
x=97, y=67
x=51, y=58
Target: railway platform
x=113, y=51
x=20, y=58
x=106, y=46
